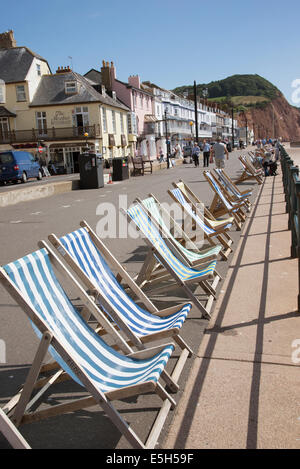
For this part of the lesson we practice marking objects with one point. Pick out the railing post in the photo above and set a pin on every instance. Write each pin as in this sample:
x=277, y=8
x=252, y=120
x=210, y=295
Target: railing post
x=293, y=213
x=298, y=245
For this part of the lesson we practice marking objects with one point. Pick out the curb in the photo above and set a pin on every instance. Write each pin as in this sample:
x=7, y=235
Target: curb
x=39, y=192
x=32, y=193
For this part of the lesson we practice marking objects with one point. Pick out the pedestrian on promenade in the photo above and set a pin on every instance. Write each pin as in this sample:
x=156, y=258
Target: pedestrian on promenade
x=206, y=153
x=195, y=154
x=161, y=155
x=218, y=152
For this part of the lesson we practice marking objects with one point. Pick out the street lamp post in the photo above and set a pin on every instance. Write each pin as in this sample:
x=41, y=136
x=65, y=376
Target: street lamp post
x=167, y=141
x=196, y=112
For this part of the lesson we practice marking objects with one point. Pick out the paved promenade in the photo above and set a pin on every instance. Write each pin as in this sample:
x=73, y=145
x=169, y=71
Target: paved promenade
x=243, y=391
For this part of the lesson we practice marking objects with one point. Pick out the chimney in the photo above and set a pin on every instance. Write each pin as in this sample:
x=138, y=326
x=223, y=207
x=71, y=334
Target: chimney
x=63, y=70
x=106, y=76
x=7, y=40
x=112, y=71
x=134, y=81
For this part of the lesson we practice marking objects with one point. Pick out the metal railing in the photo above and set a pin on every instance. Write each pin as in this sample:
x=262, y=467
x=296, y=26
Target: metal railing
x=291, y=183
x=51, y=133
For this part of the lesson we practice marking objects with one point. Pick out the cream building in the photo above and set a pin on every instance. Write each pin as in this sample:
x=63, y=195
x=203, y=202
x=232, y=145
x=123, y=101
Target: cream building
x=60, y=114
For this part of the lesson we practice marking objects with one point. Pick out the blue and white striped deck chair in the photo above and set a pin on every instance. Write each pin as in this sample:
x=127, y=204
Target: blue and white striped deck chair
x=11, y=433
x=104, y=373
x=209, y=233
x=193, y=256
x=210, y=220
x=89, y=258
x=221, y=205
x=234, y=194
x=249, y=172
x=183, y=275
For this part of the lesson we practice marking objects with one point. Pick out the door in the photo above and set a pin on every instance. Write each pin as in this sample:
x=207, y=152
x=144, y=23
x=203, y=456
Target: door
x=76, y=161
x=81, y=119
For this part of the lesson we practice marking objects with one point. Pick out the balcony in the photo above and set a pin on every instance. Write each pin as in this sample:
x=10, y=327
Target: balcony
x=51, y=134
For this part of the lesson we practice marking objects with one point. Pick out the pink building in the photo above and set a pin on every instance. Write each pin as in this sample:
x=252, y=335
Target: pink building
x=141, y=103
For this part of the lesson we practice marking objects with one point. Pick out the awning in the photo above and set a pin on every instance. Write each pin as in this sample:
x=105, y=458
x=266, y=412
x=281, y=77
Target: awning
x=6, y=113
x=150, y=118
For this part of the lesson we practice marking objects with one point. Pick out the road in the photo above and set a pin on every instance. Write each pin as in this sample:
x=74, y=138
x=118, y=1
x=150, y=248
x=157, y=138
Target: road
x=22, y=226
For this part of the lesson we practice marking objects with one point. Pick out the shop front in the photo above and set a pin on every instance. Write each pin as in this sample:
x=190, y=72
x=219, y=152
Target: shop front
x=65, y=157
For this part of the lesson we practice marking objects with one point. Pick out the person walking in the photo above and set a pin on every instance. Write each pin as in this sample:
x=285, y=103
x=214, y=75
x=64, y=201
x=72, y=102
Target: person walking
x=195, y=154
x=206, y=153
x=218, y=152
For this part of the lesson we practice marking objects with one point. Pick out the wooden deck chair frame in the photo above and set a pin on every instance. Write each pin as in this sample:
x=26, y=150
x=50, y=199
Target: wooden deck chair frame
x=182, y=237
x=210, y=220
x=233, y=194
x=133, y=339
x=219, y=207
x=160, y=270
x=17, y=409
x=11, y=433
x=146, y=279
x=248, y=172
x=220, y=234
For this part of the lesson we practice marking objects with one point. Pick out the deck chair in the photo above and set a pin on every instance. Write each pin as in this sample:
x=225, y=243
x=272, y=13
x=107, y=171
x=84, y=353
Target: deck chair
x=200, y=223
x=221, y=204
x=11, y=433
x=176, y=271
x=174, y=232
x=89, y=258
x=210, y=220
x=105, y=373
x=233, y=192
x=249, y=172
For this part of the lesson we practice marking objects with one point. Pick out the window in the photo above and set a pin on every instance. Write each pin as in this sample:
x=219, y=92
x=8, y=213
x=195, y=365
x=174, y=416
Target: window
x=122, y=123
x=113, y=118
x=104, y=121
x=71, y=87
x=38, y=69
x=41, y=123
x=21, y=95
x=6, y=158
x=2, y=92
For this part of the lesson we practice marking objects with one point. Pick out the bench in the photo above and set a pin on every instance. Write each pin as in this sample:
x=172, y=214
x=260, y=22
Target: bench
x=141, y=166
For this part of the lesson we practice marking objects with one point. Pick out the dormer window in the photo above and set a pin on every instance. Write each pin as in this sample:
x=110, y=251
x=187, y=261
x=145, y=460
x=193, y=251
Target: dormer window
x=70, y=87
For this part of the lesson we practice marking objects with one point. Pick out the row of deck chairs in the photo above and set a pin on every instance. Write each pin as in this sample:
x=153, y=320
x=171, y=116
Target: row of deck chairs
x=131, y=364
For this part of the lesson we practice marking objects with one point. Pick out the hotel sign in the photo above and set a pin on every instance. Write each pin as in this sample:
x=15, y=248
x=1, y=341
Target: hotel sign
x=61, y=119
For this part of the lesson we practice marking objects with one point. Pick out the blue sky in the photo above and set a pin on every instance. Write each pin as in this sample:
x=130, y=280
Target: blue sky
x=168, y=42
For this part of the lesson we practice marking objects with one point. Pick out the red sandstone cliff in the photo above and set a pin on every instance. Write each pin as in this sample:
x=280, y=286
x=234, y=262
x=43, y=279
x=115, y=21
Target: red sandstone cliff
x=277, y=119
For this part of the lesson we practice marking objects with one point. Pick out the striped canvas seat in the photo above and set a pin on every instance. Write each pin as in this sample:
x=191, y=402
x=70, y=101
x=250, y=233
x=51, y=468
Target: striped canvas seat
x=200, y=222
x=150, y=231
x=105, y=368
x=233, y=206
x=81, y=248
x=230, y=187
x=192, y=256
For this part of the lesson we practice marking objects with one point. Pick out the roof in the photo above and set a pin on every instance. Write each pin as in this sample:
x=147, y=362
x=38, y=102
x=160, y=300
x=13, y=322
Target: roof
x=94, y=75
x=15, y=63
x=51, y=91
x=6, y=113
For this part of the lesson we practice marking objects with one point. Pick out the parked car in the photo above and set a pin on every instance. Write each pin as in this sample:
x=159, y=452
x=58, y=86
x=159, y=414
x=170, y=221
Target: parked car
x=18, y=166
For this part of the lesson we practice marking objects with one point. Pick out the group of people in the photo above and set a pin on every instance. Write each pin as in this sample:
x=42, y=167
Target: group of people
x=217, y=152
x=268, y=156
x=176, y=153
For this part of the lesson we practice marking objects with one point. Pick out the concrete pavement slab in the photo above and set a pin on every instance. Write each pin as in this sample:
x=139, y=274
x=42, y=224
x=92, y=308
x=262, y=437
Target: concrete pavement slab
x=243, y=391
